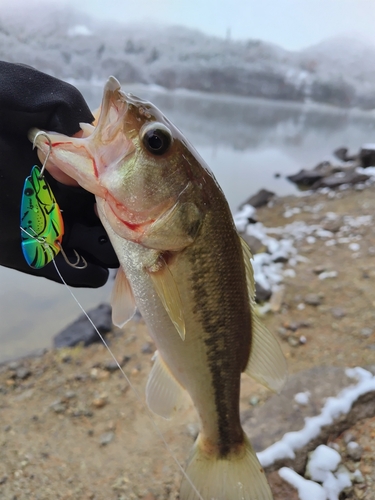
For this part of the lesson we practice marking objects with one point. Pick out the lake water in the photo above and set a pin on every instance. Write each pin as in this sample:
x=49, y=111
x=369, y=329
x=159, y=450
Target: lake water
x=244, y=141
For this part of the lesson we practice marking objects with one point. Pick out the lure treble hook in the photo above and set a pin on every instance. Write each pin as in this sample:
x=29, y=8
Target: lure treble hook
x=41, y=132
x=74, y=264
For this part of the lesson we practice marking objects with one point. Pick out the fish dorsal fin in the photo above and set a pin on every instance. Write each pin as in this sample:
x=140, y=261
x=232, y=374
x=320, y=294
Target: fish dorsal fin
x=267, y=363
x=166, y=288
x=122, y=300
x=247, y=256
x=163, y=392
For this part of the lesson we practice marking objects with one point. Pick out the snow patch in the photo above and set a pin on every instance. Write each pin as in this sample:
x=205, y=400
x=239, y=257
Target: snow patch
x=333, y=408
x=307, y=490
x=302, y=398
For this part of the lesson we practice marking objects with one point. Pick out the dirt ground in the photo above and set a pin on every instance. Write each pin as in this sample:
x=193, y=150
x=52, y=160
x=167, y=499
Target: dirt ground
x=71, y=428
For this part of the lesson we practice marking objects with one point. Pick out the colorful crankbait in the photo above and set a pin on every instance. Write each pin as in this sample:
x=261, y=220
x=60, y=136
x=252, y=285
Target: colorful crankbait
x=42, y=226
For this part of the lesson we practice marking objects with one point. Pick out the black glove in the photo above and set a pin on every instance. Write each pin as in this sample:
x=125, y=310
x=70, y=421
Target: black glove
x=29, y=98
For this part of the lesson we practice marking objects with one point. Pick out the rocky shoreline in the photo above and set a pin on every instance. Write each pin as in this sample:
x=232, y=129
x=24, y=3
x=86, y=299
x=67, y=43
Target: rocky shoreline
x=67, y=412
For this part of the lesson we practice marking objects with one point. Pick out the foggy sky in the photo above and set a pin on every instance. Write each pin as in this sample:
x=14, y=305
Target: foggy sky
x=293, y=24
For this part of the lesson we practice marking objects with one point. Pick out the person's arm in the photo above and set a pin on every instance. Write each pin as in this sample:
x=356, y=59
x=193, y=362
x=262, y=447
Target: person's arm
x=29, y=98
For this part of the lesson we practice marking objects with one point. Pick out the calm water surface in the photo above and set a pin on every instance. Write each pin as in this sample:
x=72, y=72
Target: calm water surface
x=244, y=141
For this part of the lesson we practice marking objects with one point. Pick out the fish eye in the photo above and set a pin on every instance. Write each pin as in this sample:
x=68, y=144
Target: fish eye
x=156, y=138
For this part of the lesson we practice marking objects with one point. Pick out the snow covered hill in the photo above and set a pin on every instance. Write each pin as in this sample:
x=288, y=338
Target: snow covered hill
x=71, y=45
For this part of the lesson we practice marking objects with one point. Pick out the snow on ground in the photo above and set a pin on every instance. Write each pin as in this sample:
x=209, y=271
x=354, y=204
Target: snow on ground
x=323, y=467
x=302, y=398
x=324, y=462
x=281, y=255
x=333, y=408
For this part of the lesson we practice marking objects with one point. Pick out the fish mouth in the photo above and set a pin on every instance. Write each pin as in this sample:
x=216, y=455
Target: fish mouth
x=89, y=157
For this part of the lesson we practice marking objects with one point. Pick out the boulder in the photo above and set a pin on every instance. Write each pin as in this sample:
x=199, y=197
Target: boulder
x=367, y=155
x=261, y=198
x=82, y=331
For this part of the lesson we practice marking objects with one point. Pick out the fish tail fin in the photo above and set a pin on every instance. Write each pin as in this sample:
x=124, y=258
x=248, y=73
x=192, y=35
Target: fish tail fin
x=238, y=476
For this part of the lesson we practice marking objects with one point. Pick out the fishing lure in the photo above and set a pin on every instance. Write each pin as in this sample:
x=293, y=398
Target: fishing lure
x=42, y=226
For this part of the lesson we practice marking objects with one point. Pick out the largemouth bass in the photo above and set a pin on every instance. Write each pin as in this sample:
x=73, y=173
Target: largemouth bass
x=189, y=273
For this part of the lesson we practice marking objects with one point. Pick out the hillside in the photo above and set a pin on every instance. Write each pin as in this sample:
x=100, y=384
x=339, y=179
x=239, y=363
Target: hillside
x=71, y=45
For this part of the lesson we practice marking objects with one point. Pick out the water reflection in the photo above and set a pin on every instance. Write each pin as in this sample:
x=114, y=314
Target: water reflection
x=245, y=142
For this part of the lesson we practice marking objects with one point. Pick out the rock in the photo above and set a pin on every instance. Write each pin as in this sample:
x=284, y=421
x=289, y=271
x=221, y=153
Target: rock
x=81, y=330
x=110, y=365
x=261, y=294
x=23, y=373
x=293, y=341
x=342, y=154
x=14, y=365
x=357, y=477
x=338, y=312
x=100, y=401
x=106, y=438
x=367, y=155
x=313, y=299
x=354, y=451
x=58, y=407
x=149, y=496
x=283, y=332
x=148, y=348
x=333, y=225
x=366, y=332
x=277, y=298
x=293, y=326
x=351, y=176
x=348, y=436
x=319, y=269
x=261, y=198
x=255, y=245
x=306, y=177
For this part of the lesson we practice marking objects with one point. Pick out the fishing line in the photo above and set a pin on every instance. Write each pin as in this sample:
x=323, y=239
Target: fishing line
x=135, y=392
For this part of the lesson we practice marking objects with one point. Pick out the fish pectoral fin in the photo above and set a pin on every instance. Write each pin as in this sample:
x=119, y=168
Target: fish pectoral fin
x=163, y=392
x=122, y=300
x=266, y=363
x=167, y=290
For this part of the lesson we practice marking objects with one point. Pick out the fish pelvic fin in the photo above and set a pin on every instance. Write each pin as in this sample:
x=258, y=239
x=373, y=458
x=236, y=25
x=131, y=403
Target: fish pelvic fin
x=163, y=392
x=239, y=476
x=267, y=364
x=122, y=300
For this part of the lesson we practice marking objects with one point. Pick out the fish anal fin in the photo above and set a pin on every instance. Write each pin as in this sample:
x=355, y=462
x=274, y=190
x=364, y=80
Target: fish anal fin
x=122, y=300
x=267, y=363
x=163, y=392
x=166, y=288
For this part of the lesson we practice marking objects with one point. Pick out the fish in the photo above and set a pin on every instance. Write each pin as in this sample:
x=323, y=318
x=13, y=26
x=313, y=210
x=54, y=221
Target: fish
x=186, y=269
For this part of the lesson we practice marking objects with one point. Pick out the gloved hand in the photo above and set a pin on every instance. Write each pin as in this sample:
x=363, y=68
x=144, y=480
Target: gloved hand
x=29, y=98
